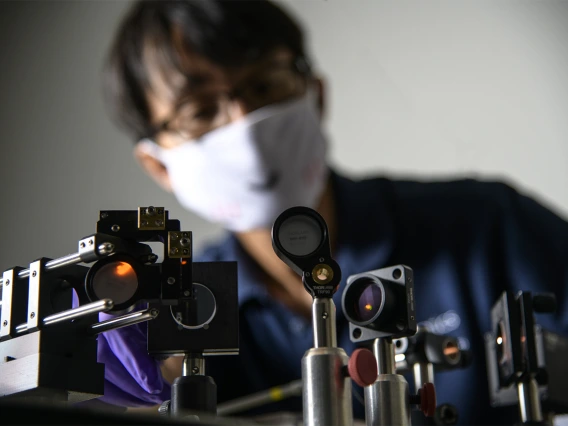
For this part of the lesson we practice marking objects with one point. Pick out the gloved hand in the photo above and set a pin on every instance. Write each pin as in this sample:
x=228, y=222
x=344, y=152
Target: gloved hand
x=132, y=377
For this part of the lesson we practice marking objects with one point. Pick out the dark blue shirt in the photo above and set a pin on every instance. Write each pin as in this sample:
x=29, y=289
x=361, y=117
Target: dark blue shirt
x=466, y=241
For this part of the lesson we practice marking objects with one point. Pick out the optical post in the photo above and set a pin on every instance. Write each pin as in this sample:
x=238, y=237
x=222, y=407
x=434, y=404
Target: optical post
x=300, y=238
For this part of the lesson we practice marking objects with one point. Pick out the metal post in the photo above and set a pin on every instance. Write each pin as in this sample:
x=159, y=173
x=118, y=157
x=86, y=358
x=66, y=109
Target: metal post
x=323, y=318
x=327, y=391
x=387, y=401
x=529, y=401
x=423, y=373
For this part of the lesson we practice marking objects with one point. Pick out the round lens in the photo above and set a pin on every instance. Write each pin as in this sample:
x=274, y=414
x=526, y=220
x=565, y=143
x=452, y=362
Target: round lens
x=198, y=311
x=116, y=281
x=369, y=302
x=300, y=235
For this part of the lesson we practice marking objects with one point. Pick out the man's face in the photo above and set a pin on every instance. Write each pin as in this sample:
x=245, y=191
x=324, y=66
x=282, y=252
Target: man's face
x=185, y=107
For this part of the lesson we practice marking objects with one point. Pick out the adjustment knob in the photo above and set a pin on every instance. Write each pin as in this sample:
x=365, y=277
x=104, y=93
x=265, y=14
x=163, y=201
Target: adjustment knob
x=164, y=409
x=544, y=303
x=362, y=367
x=427, y=395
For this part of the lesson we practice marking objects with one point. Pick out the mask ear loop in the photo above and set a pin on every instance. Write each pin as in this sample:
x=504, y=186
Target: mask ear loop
x=151, y=148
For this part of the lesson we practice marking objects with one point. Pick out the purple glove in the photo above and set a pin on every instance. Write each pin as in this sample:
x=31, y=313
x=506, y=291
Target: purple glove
x=132, y=377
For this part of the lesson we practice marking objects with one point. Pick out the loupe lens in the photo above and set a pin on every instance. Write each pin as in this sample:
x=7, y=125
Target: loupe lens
x=115, y=280
x=369, y=302
x=300, y=235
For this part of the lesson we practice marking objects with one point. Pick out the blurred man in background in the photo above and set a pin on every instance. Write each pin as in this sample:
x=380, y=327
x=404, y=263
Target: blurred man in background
x=225, y=112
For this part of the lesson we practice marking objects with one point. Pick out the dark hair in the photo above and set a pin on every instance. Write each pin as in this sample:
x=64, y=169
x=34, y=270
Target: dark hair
x=226, y=32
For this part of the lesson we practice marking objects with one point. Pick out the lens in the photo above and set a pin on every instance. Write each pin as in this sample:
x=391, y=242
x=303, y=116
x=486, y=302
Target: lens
x=116, y=281
x=300, y=235
x=369, y=303
x=198, y=312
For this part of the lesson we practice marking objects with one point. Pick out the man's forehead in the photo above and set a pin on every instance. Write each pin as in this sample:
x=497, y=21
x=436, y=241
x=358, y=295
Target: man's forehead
x=194, y=72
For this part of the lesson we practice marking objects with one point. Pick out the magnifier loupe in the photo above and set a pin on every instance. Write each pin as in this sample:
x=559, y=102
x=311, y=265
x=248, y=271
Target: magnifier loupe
x=301, y=240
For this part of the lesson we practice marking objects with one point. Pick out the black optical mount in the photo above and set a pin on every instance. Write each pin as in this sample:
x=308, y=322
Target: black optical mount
x=48, y=341
x=512, y=352
x=380, y=306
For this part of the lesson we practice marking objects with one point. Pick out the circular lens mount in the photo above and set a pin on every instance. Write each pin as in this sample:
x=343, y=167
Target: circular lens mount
x=198, y=312
x=116, y=277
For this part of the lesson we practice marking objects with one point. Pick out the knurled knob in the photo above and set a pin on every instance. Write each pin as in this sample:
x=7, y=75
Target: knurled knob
x=362, y=367
x=164, y=409
x=427, y=396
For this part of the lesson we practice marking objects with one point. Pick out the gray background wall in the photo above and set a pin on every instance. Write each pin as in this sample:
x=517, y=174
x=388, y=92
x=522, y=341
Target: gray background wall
x=430, y=89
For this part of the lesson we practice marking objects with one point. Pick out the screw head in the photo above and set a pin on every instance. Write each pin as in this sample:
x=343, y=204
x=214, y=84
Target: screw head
x=34, y=273
x=7, y=282
x=32, y=315
x=171, y=280
x=185, y=251
x=159, y=222
x=324, y=315
x=144, y=223
x=195, y=370
x=82, y=245
x=5, y=323
x=90, y=242
x=115, y=228
x=104, y=215
x=321, y=259
x=186, y=293
x=174, y=250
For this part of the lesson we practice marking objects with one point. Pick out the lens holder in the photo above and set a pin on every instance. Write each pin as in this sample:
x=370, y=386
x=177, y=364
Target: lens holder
x=380, y=303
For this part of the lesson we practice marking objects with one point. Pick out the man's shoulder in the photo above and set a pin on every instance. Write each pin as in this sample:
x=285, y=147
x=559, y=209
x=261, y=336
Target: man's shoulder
x=439, y=192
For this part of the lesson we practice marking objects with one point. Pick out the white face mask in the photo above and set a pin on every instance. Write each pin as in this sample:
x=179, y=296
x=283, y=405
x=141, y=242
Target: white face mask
x=244, y=174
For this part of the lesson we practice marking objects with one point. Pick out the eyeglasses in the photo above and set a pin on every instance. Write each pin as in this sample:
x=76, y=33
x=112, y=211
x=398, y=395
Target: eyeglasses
x=206, y=108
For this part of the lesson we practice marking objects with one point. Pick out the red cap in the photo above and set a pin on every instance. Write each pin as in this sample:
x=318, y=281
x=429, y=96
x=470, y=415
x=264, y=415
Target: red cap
x=428, y=399
x=362, y=367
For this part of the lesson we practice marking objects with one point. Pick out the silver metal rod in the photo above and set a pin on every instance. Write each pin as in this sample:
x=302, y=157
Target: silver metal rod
x=323, y=319
x=124, y=320
x=529, y=401
x=70, y=259
x=81, y=311
x=277, y=393
x=102, y=305
x=423, y=373
x=193, y=365
x=383, y=350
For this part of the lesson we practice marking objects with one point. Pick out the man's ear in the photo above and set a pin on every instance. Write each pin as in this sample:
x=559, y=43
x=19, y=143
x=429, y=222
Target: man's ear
x=321, y=97
x=153, y=167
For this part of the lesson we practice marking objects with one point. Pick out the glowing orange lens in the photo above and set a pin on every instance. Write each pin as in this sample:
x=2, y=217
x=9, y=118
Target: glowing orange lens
x=368, y=307
x=122, y=269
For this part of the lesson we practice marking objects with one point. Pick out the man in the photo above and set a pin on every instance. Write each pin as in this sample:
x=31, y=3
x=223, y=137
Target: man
x=225, y=111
